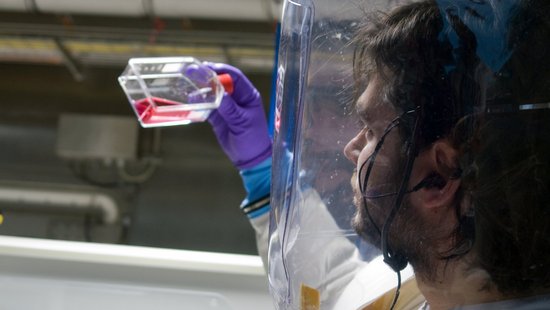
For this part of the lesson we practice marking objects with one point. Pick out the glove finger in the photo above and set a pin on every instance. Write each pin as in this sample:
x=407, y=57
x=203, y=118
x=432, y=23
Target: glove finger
x=244, y=92
x=222, y=133
x=232, y=113
x=198, y=72
x=215, y=119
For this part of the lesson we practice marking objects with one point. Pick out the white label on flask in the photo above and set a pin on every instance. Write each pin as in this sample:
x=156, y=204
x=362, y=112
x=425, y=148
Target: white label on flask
x=173, y=67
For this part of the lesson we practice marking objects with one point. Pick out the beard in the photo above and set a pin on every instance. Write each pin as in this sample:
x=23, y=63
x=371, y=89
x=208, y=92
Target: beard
x=361, y=223
x=410, y=235
x=371, y=213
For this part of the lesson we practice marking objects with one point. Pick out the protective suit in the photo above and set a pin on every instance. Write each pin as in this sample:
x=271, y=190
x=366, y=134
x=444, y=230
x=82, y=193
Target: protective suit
x=338, y=277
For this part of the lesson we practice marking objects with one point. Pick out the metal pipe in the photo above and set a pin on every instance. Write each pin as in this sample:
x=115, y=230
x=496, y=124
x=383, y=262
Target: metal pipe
x=59, y=198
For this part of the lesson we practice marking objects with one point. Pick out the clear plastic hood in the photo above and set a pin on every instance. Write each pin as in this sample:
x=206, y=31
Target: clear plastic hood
x=313, y=245
x=366, y=91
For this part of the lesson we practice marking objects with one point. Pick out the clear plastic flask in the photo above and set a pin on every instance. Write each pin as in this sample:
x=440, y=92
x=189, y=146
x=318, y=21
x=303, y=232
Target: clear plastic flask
x=167, y=91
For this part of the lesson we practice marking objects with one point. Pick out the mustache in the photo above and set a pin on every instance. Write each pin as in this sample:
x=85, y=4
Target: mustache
x=372, y=191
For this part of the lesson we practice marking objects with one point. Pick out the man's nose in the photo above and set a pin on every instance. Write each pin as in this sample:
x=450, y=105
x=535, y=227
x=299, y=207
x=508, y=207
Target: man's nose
x=354, y=147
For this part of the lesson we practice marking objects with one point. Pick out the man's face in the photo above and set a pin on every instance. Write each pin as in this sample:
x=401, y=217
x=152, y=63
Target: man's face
x=376, y=115
x=415, y=232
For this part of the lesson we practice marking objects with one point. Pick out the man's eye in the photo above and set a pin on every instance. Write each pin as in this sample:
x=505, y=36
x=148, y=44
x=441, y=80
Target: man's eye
x=369, y=134
x=367, y=131
x=360, y=124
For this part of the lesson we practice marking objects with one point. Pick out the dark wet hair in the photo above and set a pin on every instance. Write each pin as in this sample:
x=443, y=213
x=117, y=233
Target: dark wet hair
x=504, y=151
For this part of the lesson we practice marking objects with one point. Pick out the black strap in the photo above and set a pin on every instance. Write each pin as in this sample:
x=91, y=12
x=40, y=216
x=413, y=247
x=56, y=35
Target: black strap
x=256, y=204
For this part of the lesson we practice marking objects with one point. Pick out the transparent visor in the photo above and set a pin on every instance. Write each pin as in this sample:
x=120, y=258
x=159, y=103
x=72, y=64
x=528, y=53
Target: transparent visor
x=393, y=119
x=314, y=250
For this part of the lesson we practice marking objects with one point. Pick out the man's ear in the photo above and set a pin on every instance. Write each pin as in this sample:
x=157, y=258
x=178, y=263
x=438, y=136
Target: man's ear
x=435, y=172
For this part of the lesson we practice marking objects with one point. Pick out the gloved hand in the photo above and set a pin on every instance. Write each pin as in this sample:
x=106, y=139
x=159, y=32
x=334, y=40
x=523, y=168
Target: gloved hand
x=239, y=122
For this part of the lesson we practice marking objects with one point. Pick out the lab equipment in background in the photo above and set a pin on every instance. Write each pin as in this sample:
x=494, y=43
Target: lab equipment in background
x=167, y=91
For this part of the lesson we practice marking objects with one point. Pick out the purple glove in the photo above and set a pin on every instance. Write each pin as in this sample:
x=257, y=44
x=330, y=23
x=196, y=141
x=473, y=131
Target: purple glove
x=239, y=122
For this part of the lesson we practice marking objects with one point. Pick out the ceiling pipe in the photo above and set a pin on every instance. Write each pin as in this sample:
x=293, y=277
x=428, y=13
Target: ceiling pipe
x=55, y=199
x=243, y=10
